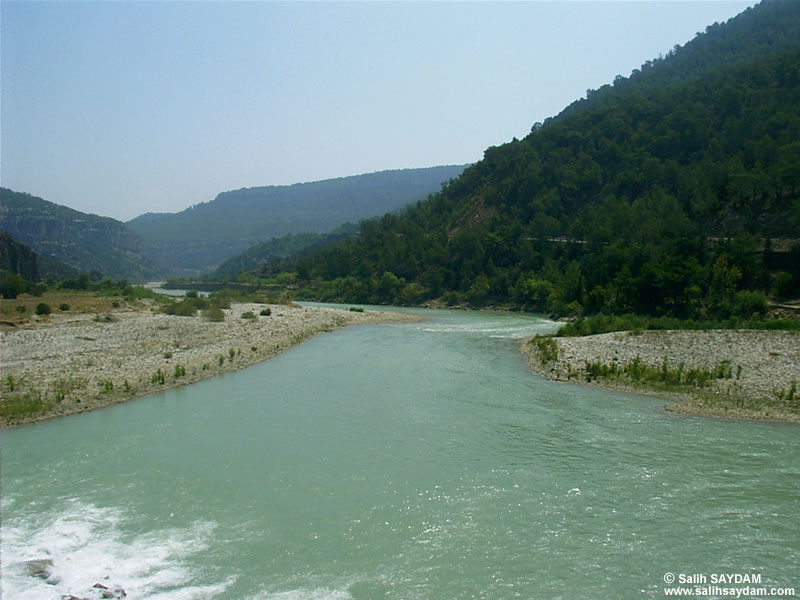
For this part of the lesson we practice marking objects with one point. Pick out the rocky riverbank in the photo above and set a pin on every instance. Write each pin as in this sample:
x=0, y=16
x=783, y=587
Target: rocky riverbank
x=733, y=373
x=71, y=363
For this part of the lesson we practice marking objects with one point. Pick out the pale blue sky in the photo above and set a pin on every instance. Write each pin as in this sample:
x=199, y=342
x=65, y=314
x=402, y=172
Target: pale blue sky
x=120, y=108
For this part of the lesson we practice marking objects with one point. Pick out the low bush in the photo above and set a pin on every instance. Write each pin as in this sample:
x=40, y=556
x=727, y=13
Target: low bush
x=214, y=314
x=43, y=309
x=181, y=309
x=548, y=348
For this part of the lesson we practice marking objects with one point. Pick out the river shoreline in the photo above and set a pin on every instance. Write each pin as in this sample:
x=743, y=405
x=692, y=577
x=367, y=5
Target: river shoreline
x=72, y=363
x=753, y=373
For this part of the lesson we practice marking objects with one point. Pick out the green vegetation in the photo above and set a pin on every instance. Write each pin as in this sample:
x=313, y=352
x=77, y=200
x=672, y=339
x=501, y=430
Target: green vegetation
x=666, y=377
x=17, y=403
x=186, y=308
x=180, y=371
x=43, y=309
x=547, y=348
x=214, y=314
x=266, y=312
x=249, y=315
x=11, y=285
x=598, y=324
x=21, y=406
x=269, y=254
x=789, y=396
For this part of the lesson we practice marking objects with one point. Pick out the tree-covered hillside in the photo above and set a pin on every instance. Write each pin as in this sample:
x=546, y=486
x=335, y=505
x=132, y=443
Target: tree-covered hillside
x=68, y=241
x=673, y=191
x=267, y=255
x=203, y=236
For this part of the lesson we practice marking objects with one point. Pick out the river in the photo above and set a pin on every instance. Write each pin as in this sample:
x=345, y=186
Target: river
x=403, y=461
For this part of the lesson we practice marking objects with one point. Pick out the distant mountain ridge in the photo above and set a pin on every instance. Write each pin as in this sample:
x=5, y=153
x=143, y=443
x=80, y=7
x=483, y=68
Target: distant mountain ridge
x=203, y=236
x=83, y=242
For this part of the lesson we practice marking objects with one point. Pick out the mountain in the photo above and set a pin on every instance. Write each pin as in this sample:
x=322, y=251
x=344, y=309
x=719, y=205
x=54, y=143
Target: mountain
x=203, y=236
x=83, y=242
x=673, y=191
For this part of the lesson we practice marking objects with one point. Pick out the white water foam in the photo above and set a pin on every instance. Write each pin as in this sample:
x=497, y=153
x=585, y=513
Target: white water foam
x=494, y=329
x=322, y=593
x=83, y=544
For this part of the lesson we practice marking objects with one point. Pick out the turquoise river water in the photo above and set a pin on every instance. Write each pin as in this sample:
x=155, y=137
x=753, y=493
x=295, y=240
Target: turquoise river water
x=403, y=461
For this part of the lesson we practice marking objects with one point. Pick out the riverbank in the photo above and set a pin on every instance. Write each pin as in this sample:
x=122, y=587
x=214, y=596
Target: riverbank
x=71, y=363
x=730, y=373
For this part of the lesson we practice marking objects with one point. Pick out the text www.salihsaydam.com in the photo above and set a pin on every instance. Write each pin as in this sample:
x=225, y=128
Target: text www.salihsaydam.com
x=730, y=592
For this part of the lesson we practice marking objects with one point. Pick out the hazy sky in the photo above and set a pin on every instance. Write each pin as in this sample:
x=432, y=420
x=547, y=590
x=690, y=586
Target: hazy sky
x=120, y=108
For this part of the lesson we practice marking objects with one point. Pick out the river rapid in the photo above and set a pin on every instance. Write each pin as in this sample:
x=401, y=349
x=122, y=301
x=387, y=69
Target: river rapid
x=402, y=461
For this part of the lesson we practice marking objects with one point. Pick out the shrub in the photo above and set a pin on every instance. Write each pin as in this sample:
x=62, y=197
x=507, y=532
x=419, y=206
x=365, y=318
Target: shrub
x=214, y=314
x=748, y=303
x=63, y=307
x=37, y=289
x=357, y=309
x=181, y=309
x=548, y=348
x=21, y=309
x=11, y=285
x=783, y=285
x=266, y=312
x=249, y=315
x=42, y=309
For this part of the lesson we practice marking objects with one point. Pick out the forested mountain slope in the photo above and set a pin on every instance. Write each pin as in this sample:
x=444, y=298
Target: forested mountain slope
x=83, y=242
x=206, y=234
x=664, y=193
x=272, y=251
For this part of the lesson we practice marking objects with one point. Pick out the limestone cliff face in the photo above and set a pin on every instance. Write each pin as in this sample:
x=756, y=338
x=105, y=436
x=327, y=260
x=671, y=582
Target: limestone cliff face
x=82, y=241
x=18, y=258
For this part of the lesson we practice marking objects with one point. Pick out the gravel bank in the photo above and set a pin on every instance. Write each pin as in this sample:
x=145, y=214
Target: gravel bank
x=74, y=363
x=762, y=366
